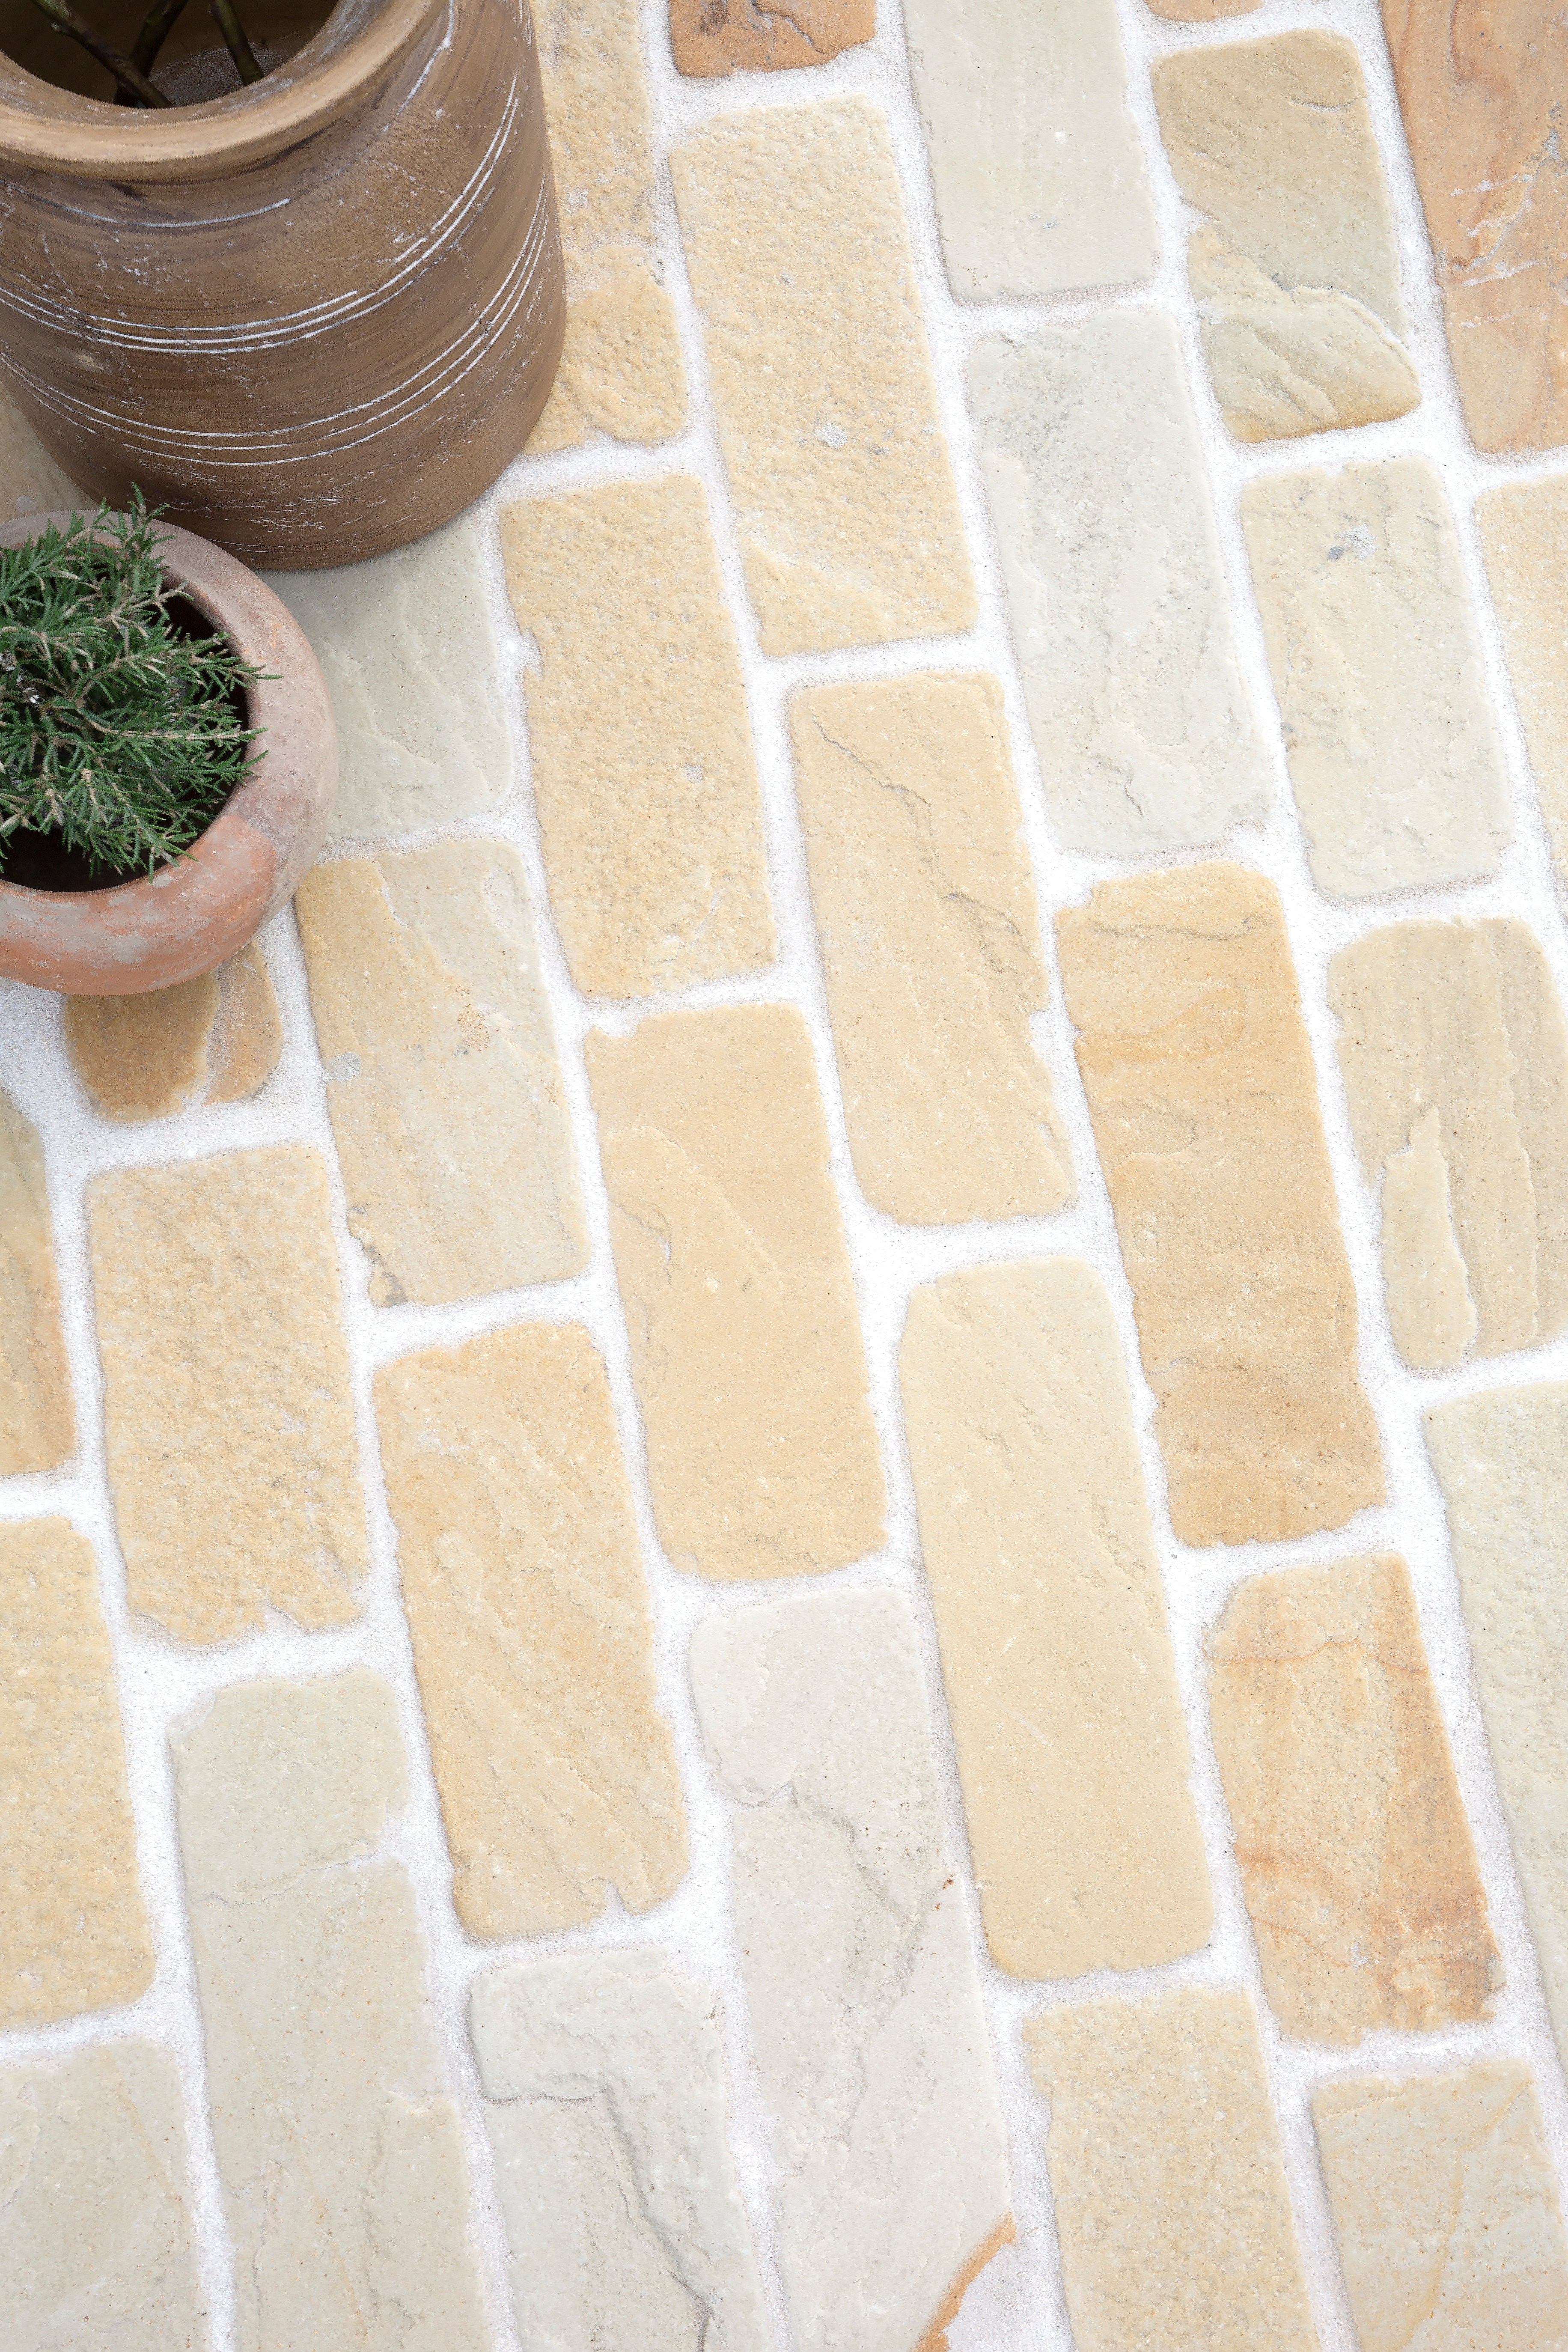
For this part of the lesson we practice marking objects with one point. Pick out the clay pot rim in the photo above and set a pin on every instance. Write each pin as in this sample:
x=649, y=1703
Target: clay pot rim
x=45, y=129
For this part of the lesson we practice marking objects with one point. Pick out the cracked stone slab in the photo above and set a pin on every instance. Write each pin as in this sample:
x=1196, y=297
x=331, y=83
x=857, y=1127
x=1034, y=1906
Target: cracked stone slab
x=930, y=933
x=338, y=2140
x=1115, y=593
x=443, y=1078
x=871, y=2049
x=30, y=481
x=1444, y=2210
x=212, y=1040
x=1394, y=751
x=1205, y=1107
x=73, y=1926
x=532, y=1640
x=1295, y=271
x=1055, y=1653
x=644, y=774
x=1172, y=2208
x=95, y=2226
x=1523, y=531
x=846, y=508
x=1037, y=165
x=603, y=2086
x=37, y=1413
x=1456, y=1067
x=1357, y=1862
x=740, y=1305
x=725, y=36
x=227, y=1376
x=621, y=370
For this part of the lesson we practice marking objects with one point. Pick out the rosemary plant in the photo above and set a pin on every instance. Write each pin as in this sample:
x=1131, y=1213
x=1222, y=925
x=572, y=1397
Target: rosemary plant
x=134, y=73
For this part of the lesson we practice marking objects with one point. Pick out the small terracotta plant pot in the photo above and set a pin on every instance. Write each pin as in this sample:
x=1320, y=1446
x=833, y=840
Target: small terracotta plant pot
x=192, y=915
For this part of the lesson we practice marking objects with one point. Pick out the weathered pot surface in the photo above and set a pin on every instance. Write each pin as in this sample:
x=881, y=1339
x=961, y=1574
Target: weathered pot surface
x=190, y=917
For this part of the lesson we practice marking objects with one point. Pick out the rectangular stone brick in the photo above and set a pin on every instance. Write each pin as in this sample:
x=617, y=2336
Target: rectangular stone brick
x=844, y=504
x=621, y=371
x=1394, y=751
x=443, y=1079
x=95, y=2224
x=229, y=1428
x=1501, y=1459
x=1446, y=2211
x=73, y=1927
x=925, y=909
x=1038, y=169
x=745, y=1341
x=1204, y=1104
x=725, y=36
x=38, y=1415
x=1172, y=2210
x=532, y=1634
x=1295, y=271
x=871, y=2049
x=643, y=770
x=1055, y=1655
x=1523, y=530
x=1357, y=1862
x=338, y=2141
x=1117, y=600
x=216, y=1039
x=604, y=2105
x=1455, y=1068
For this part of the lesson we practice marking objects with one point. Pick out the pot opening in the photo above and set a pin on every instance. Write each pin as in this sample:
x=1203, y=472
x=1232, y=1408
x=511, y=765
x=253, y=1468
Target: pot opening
x=193, y=63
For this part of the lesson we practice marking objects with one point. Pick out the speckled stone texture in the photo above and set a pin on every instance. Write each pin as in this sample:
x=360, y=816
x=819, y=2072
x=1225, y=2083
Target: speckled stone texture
x=722, y=37
x=37, y=1417
x=1523, y=532
x=212, y=1040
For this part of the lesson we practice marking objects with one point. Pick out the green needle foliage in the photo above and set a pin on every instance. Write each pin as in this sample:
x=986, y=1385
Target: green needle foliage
x=120, y=734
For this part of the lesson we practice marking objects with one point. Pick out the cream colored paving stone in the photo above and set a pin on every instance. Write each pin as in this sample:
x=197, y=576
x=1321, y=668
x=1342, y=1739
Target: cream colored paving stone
x=1038, y=171
x=1172, y=2209
x=409, y=653
x=643, y=769
x=212, y=1040
x=745, y=1342
x=925, y=909
x=1394, y=751
x=1205, y=1106
x=73, y=1926
x=1295, y=272
x=722, y=37
x=603, y=2085
x=1115, y=592
x=531, y=1635
x=338, y=2140
x=443, y=1078
x=1456, y=1067
x=1445, y=2211
x=1055, y=1655
x=233, y=1461
x=38, y=1416
x=1357, y=1862
x=621, y=371
x=872, y=2051
x=95, y=2225
x=1524, y=529
x=30, y=481
x=844, y=504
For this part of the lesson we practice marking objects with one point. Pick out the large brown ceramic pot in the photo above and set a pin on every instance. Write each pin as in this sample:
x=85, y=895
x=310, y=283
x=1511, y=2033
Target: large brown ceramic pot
x=192, y=916
x=312, y=319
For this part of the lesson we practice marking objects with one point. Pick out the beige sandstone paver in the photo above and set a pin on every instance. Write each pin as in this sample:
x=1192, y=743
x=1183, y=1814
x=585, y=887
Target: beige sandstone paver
x=233, y=1460
x=1038, y=169
x=73, y=1926
x=1456, y=1067
x=720, y=36
x=1115, y=594
x=929, y=932
x=1055, y=1655
x=443, y=1078
x=1523, y=531
x=531, y=1635
x=643, y=770
x=730, y=1252
x=1172, y=2210
x=871, y=2049
x=38, y=1416
x=1295, y=272
x=30, y=481
x=95, y=2222
x=844, y=505
x=1445, y=2211
x=338, y=2140
x=1394, y=751
x=212, y=1040
x=1205, y=1106
x=621, y=371
x=1356, y=1858
x=604, y=2105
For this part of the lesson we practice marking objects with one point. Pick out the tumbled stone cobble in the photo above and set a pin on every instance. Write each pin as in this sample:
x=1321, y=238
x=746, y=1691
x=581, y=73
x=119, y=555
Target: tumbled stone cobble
x=37, y=1417
x=723, y=37
x=212, y=1040
x=1523, y=532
